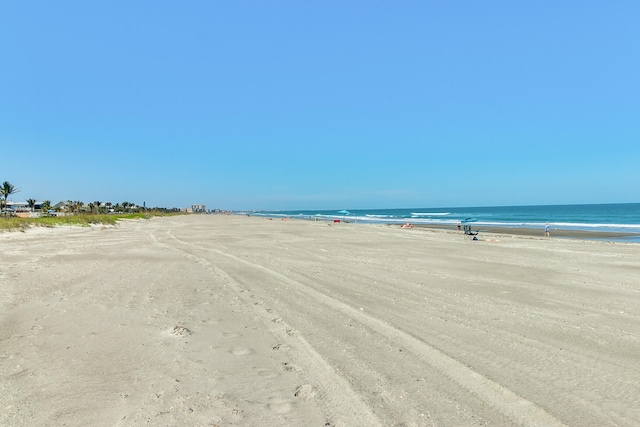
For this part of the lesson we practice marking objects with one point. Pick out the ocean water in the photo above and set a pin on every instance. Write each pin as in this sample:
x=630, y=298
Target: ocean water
x=618, y=218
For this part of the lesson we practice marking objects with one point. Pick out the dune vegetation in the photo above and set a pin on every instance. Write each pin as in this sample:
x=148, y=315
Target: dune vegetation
x=13, y=223
x=69, y=213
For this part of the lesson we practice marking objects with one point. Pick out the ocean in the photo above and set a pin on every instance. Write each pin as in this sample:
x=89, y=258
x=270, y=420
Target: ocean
x=616, y=218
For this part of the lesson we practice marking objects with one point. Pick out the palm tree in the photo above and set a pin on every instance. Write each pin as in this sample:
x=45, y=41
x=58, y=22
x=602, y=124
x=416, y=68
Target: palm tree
x=97, y=205
x=45, y=206
x=31, y=203
x=76, y=206
x=6, y=190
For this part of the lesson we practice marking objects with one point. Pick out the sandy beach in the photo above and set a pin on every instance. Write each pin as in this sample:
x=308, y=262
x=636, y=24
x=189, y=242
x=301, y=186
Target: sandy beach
x=213, y=320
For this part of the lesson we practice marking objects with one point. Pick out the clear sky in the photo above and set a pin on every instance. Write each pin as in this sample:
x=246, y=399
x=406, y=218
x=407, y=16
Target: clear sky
x=321, y=104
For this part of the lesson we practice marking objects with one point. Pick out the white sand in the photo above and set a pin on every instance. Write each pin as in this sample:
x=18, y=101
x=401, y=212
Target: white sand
x=227, y=320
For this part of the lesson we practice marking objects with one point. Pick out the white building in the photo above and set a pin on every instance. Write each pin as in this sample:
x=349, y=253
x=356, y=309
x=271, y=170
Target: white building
x=21, y=206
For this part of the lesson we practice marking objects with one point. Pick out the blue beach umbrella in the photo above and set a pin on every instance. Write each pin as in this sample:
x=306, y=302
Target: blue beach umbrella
x=467, y=228
x=345, y=213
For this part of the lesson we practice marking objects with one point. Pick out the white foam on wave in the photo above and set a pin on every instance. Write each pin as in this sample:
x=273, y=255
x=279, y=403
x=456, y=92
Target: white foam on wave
x=430, y=213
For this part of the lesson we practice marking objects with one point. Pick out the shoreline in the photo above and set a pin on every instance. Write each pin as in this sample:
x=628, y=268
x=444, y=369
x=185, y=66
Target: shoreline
x=604, y=236
x=576, y=234
x=555, y=233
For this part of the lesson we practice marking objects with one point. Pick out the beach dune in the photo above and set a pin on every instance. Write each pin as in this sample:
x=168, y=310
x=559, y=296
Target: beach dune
x=214, y=320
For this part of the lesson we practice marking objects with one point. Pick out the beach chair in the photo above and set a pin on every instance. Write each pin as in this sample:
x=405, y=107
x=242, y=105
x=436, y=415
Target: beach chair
x=470, y=233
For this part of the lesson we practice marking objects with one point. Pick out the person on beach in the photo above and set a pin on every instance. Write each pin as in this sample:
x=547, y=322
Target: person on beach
x=407, y=225
x=547, y=230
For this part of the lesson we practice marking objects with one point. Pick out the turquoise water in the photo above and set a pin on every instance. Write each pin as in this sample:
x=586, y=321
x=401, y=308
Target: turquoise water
x=619, y=218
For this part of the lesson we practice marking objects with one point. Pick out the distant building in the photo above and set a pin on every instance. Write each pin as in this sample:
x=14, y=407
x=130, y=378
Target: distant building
x=60, y=205
x=22, y=206
x=198, y=208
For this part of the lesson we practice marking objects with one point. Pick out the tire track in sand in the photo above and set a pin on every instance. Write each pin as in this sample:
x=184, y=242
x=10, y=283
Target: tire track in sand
x=504, y=400
x=338, y=393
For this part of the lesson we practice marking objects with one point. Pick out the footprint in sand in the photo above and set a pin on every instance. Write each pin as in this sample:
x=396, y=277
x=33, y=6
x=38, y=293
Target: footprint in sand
x=305, y=392
x=279, y=405
x=179, y=331
x=231, y=335
x=265, y=373
x=281, y=347
x=240, y=351
x=292, y=332
x=290, y=367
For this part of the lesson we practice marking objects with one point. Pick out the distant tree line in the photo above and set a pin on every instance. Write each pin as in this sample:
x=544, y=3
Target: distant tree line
x=77, y=206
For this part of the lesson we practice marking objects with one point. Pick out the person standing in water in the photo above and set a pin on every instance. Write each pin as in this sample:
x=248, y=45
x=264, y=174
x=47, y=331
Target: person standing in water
x=547, y=230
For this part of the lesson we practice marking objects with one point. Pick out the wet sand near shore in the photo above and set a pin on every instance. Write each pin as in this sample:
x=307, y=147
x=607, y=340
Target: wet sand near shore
x=532, y=232
x=214, y=320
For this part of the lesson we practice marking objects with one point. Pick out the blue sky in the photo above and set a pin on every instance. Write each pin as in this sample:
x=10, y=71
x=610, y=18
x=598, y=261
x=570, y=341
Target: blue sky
x=321, y=105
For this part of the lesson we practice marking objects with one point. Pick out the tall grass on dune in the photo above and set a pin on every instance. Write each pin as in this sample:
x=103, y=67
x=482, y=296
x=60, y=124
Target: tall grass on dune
x=83, y=220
